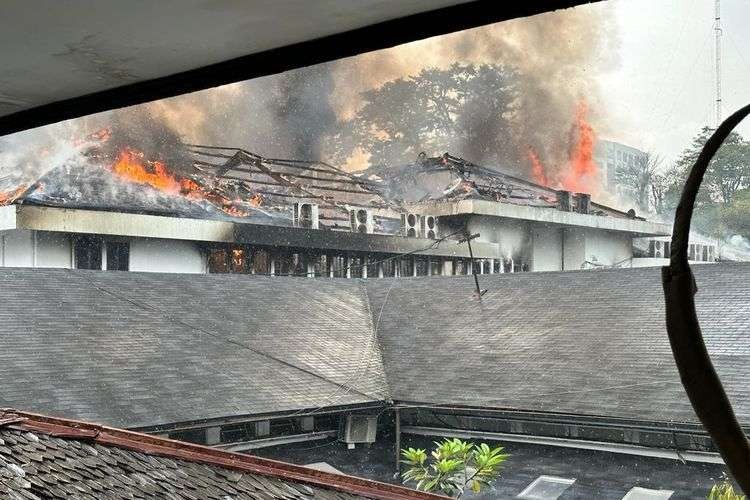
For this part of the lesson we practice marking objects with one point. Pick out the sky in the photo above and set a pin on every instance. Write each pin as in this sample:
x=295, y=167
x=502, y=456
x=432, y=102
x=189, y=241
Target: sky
x=662, y=89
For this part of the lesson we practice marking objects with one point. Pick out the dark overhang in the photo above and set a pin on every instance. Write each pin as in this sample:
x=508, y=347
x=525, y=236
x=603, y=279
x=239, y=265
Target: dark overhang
x=256, y=234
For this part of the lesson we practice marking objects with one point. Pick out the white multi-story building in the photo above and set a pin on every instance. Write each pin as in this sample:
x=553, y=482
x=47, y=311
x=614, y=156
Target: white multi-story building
x=613, y=159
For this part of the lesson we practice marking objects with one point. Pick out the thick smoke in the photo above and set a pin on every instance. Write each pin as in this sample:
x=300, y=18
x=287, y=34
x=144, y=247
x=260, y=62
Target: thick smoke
x=294, y=114
x=555, y=55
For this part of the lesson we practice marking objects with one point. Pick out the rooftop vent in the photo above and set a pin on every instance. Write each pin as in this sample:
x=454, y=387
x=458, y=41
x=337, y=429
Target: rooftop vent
x=583, y=203
x=564, y=200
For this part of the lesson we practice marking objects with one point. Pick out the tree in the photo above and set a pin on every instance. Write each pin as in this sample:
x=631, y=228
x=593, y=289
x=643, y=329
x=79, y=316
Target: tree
x=727, y=175
x=464, y=109
x=642, y=180
x=454, y=465
x=723, y=490
x=736, y=215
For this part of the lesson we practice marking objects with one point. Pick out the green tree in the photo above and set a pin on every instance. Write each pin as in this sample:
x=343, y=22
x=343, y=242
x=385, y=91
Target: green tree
x=723, y=490
x=727, y=175
x=643, y=181
x=736, y=215
x=464, y=109
x=453, y=466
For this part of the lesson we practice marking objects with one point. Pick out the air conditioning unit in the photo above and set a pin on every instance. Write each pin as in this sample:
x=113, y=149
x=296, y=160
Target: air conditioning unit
x=306, y=215
x=430, y=227
x=583, y=204
x=658, y=249
x=359, y=429
x=564, y=201
x=361, y=221
x=410, y=225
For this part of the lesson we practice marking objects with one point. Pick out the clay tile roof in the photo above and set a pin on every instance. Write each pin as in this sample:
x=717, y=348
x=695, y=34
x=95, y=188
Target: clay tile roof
x=43, y=457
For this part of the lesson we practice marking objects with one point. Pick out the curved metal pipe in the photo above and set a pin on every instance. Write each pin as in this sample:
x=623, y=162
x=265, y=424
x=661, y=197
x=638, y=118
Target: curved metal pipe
x=697, y=373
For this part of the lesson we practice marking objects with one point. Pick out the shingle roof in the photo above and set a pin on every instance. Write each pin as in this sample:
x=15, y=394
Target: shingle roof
x=141, y=349
x=582, y=342
x=44, y=458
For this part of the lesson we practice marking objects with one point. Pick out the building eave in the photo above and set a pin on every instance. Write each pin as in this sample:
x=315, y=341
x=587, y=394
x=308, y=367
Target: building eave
x=67, y=220
x=635, y=227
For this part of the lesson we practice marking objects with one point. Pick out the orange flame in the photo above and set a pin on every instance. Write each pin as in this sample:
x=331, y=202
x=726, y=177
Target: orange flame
x=131, y=167
x=582, y=173
x=538, y=172
x=8, y=197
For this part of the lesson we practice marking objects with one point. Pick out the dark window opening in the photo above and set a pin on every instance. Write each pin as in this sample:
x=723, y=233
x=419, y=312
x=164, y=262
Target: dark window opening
x=436, y=267
x=118, y=256
x=238, y=432
x=406, y=267
x=218, y=261
x=337, y=266
x=421, y=265
x=88, y=253
x=496, y=266
x=261, y=263
x=197, y=436
x=389, y=268
x=355, y=266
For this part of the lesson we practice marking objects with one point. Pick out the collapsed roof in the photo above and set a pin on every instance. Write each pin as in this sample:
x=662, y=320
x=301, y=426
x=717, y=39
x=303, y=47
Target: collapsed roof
x=139, y=350
x=237, y=185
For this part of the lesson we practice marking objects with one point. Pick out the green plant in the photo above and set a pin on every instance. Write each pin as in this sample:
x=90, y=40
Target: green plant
x=453, y=466
x=723, y=490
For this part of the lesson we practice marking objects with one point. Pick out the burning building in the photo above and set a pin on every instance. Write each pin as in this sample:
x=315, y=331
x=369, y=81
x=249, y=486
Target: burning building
x=218, y=209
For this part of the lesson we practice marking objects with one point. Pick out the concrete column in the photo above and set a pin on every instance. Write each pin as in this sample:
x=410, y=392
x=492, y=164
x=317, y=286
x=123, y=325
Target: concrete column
x=262, y=428
x=213, y=435
x=365, y=260
x=414, y=266
x=380, y=270
x=273, y=267
x=347, y=263
x=307, y=423
x=492, y=266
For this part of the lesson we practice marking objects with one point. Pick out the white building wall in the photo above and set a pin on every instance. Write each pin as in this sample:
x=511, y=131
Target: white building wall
x=166, y=256
x=574, y=248
x=17, y=248
x=609, y=248
x=546, y=248
x=53, y=250
x=513, y=236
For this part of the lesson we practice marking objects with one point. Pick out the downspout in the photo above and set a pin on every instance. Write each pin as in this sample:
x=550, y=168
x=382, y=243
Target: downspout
x=702, y=384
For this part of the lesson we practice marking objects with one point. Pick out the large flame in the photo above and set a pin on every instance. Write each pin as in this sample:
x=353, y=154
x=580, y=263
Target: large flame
x=130, y=166
x=538, y=172
x=582, y=173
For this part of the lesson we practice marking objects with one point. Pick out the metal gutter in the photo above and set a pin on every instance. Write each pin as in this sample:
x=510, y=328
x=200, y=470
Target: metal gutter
x=582, y=444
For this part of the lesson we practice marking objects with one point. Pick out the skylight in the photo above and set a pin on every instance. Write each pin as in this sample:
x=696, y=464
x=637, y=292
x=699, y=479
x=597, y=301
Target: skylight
x=637, y=493
x=546, y=488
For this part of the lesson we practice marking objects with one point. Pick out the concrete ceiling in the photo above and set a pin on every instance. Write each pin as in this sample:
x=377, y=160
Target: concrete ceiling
x=54, y=50
x=63, y=59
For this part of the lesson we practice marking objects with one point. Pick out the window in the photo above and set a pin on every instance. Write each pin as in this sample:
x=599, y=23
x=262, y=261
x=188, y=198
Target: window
x=218, y=261
x=118, y=255
x=421, y=264
x=406, y=267
x=389, y=268
x=88, y=252
x=233, y=433
x=546, y=488
x=356, y=263
x=436, y=267
x=647, y=494
x=197, y=436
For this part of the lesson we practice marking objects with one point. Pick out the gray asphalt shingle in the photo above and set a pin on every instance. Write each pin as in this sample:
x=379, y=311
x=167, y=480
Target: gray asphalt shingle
x=140, y=349
x=588, y=342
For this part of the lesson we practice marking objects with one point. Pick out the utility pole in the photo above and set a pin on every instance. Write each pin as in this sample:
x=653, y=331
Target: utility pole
x=717, y=57
x=468, y=239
